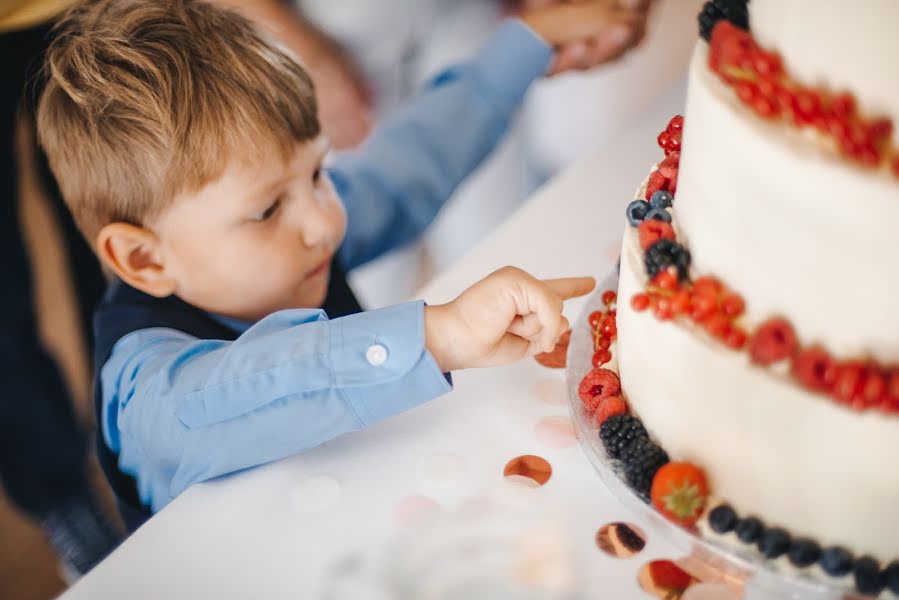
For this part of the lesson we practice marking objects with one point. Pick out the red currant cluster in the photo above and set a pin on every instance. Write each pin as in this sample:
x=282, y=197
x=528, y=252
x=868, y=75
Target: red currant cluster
x=604, y=328
x=760, y=81
x=665, y=176
x=705, y=301
x=860, y=385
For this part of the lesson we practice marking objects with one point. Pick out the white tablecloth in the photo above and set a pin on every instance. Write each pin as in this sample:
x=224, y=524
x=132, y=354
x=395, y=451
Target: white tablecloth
x=277, y=531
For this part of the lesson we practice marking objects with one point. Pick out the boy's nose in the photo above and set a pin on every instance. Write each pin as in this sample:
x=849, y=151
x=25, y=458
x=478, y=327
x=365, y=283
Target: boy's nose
x=318, y=228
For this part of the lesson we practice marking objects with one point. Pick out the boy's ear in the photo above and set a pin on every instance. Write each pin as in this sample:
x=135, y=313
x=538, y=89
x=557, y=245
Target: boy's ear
x=132, y=252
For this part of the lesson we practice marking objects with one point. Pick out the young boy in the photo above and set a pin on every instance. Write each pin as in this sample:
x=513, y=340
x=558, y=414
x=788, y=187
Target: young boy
x=188, y=148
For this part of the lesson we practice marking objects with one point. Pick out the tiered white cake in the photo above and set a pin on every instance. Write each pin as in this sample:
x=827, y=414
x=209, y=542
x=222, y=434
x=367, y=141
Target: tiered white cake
x=803, y=234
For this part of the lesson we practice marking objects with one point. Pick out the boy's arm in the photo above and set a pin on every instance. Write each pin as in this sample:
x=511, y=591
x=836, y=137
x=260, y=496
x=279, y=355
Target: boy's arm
x=396, y=182
x=179, y=410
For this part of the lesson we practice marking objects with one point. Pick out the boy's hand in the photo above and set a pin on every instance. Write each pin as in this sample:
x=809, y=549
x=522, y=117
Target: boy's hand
x=505, y=317
x=587, y=33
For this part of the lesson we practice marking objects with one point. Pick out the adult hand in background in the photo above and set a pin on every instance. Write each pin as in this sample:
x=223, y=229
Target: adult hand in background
x=344, y=98
x=586, y=33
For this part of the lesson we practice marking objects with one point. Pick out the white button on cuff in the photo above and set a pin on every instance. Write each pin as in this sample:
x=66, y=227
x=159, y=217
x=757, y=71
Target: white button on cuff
x=376, y=355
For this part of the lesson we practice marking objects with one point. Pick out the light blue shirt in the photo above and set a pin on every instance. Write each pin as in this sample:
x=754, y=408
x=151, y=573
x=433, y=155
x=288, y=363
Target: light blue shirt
x=179, y=410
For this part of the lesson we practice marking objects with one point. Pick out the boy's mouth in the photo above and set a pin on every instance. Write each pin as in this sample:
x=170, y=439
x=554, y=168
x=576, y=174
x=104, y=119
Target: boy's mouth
x=319, y=270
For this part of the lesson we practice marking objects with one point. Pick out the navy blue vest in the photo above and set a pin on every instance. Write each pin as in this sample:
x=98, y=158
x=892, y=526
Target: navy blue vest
x=125, y=310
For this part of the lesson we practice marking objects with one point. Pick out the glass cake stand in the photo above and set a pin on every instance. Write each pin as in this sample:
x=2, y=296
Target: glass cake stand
x=708, y=558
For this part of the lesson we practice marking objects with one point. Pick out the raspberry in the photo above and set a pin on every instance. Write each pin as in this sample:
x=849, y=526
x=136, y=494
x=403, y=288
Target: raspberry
x=767, y=64
x=849, y=382
x=600, y=383
x=843, y=105
x=609, y=407
x=656, y=182
x=775, y=340
x=815, y=369
x=653, y=230
x=874, y=389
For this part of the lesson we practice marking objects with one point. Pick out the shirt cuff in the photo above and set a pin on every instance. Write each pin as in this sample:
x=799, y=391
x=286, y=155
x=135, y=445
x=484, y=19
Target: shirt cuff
x=386, y=347
x=512, y=59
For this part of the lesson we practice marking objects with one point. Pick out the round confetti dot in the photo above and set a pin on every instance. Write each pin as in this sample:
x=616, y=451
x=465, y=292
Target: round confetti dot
x=711, y=591
x=315, y=494
x=621, y=540
x=551, y=391
x=555, y=432
x=530, y=466
x=442, y=470
x=412, y=510
x=664, y=579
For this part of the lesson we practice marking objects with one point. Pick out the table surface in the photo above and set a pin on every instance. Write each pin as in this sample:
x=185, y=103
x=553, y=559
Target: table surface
x=281, y=530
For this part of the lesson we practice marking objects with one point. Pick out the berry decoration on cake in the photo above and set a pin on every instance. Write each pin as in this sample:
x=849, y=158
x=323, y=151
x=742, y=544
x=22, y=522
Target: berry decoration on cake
x=641, y=461
x=761, y=82
x=619, y=432
x=716, y=10
x=679, y=491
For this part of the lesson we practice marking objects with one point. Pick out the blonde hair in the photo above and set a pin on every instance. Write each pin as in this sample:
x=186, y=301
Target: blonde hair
x=145, y=99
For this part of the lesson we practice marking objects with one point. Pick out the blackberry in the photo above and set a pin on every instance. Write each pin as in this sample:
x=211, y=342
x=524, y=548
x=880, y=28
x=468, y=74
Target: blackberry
x=804, y=552
x=749, y=530
x=636, y=212
x=641, y=461
x=891, y=575
x=722, y=519
x=619, y=432
x=836, y=561
x=629, y=538
x=869, y=579
x=667, y=253
x=734, y=11
x=774, y=542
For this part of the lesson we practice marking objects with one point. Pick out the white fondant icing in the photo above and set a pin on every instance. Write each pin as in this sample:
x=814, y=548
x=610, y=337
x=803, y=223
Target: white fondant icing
x=771, y=449
x=800, y=232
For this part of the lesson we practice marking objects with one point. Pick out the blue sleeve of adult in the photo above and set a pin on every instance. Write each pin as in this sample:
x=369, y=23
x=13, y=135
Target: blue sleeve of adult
x=394, y=185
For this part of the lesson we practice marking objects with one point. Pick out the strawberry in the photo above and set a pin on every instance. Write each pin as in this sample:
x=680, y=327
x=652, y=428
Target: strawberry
x=609, y=407
x=679, y=491
x=598, y=384
x=775, y=340
x=669, y=577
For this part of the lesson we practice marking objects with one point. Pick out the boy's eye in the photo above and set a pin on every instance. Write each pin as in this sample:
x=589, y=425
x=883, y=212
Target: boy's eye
x=269, y=212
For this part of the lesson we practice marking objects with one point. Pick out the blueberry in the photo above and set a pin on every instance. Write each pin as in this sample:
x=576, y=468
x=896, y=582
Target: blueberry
x=661, y=199
x=891, y=574
x=868, y=577
x=836, y=561
x=722, y=519
x=659, y=214
x=636, y=211
x=774, y=542
x=804, y=552
x=748, y=530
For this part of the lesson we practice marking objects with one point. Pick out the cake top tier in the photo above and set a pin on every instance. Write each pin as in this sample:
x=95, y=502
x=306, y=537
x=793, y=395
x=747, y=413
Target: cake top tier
x=843, y=46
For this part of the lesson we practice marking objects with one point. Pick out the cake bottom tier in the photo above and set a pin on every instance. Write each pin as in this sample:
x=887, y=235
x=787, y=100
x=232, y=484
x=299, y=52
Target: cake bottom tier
x=769, y=448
